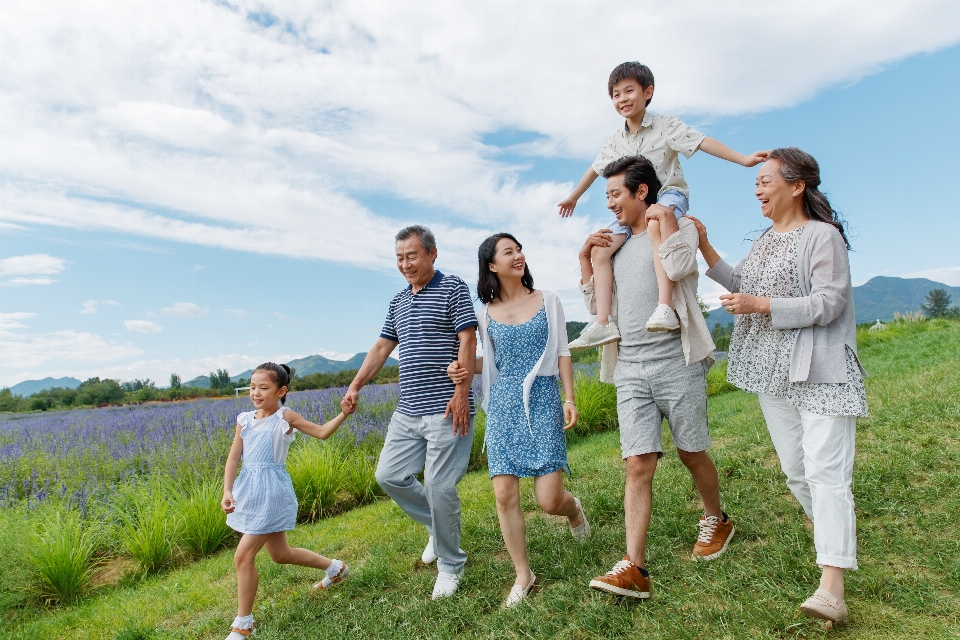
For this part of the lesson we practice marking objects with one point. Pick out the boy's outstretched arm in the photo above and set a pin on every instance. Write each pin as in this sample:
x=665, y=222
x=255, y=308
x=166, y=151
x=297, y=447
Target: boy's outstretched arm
x=570, y=202
x=720, y=150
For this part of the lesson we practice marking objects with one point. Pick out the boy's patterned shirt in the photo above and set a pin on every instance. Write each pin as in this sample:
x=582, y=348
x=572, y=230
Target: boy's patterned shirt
x=659, y=139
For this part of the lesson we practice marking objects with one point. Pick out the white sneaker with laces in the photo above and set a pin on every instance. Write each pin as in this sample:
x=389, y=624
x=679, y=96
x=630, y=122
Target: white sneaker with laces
x=519, y=592
x=446, y=584
x=582, y=532
x=429, y=555
x=595, y=335
x=663, y=319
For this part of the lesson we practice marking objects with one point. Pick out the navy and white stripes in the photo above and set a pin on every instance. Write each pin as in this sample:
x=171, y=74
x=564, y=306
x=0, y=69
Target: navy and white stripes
x=426, y=326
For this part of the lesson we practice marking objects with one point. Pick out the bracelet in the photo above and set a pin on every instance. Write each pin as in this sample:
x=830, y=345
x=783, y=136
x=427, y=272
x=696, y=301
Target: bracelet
x=570, y=402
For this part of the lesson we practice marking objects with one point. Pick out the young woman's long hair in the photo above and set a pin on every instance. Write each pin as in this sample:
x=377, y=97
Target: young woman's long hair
x=488, y=284
x=799, y=165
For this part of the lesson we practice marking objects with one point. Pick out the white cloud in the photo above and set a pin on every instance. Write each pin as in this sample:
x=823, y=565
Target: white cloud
x=142, y=326
x=91, y=306
x=947, y=275
x=193, y=123
x=185, y=310
x=10, y=322
x=31, y=352
x=335, y=355
x=236, y=313
x=30, y=269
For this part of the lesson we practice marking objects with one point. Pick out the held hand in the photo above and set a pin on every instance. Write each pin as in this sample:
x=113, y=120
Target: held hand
x=456, y=373
x=657, y=211
x=567, y=205
x=228, y=504
x=459, y=406
x=570, y=415
x=701, y=231
x=756, y=158
x=743, y=303
x=601, y=238
x=349, y=403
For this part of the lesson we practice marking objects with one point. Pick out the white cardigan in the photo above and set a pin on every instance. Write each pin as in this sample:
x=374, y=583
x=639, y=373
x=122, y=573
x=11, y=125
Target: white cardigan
x=547, y=365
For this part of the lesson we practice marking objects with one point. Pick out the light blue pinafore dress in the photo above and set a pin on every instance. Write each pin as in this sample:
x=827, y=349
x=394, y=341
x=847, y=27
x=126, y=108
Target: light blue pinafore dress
x=514, y=446
x=266, y=502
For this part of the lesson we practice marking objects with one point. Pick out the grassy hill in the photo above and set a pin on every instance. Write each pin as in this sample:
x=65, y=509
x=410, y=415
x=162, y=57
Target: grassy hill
x=906, y=484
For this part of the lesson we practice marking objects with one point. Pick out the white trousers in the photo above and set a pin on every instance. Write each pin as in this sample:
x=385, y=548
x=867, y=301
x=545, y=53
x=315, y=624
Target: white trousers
x=816, y=454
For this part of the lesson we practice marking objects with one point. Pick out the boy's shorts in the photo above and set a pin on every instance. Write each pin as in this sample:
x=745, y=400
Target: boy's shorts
x=648, y=392
x=669, y=198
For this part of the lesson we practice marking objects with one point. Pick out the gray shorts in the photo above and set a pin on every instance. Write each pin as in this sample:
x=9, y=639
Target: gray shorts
x=648, y=392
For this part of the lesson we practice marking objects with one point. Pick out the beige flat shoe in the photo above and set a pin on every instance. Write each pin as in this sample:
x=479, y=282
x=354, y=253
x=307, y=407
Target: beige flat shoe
x=823, y=605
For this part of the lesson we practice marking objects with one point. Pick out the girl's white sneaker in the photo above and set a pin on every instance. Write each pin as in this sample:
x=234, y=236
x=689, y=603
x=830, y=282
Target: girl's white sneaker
x=519, y=592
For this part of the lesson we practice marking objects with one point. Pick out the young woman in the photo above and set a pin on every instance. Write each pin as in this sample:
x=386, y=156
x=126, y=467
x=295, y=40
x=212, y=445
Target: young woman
x=524, y=338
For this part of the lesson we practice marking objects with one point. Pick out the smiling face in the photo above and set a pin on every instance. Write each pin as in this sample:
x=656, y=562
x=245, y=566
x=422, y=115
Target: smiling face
x=265, y=392
x=778, y=198
x=630, y=99
x=508, y=259
x=415, y=262
x=629, y=208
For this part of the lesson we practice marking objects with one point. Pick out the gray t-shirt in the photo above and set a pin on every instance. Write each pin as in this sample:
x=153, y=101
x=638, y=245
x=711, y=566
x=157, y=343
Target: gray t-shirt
x=637, y=296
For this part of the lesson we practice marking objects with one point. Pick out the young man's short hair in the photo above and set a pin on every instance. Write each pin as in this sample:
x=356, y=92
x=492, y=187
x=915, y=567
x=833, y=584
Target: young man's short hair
x=631, y=71
x=636, y=170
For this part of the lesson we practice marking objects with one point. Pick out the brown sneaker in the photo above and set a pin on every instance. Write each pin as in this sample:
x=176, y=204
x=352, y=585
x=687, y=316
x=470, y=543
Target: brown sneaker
x=625, y=579
x=714, y=536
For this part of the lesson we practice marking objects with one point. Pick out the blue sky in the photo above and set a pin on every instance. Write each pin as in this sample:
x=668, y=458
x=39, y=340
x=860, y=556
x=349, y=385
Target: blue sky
x=229, y=195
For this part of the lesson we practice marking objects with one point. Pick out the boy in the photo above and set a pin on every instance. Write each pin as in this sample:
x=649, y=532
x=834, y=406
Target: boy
x=659, y=138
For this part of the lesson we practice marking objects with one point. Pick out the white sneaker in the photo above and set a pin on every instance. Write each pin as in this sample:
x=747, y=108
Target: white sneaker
x=429, y=555
x=446, y=584
x=582, y=532
x=241, y=634
x=519, y=592
x=663, y=319
x=595, y=335
x=328, y=580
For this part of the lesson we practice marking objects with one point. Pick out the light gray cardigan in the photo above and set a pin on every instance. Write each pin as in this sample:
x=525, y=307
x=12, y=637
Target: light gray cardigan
x=547, y=365
x=823, y=314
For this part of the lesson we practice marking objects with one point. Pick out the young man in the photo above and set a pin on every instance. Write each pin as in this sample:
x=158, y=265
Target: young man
x=658, y=374
x=434, y=323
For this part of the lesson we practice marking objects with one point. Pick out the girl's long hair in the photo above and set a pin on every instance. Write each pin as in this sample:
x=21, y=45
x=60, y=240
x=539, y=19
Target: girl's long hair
x=280, y=374
x=799, y=165
x=488, y=284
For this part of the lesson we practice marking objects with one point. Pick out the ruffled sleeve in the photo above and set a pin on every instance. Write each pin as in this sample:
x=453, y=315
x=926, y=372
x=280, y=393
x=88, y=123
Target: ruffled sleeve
x=284, y=425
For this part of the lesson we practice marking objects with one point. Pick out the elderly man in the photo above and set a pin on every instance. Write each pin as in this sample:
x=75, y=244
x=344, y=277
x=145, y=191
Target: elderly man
x=434, y=323
x=658, y=374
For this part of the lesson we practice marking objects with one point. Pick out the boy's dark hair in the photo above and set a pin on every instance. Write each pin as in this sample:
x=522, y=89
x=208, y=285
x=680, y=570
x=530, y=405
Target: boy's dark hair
x=488, y=284
x=280, y=374
x=631, y=71
x=636, y=170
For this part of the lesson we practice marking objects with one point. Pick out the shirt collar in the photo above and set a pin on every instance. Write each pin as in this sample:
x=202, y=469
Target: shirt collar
x=434, y=281
x=646, y=122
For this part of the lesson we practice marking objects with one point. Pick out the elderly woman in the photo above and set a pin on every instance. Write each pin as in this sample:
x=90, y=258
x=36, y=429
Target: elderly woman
x=794, y=345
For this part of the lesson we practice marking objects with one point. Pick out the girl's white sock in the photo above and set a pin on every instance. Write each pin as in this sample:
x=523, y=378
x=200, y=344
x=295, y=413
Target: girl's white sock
x=243, y=622
x=334, y=568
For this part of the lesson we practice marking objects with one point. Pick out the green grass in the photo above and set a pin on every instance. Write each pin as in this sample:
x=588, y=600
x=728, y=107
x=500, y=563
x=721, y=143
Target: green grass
x=906, y=483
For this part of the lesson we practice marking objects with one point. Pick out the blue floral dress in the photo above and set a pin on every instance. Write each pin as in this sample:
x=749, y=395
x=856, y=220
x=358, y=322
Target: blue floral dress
x=515, y=447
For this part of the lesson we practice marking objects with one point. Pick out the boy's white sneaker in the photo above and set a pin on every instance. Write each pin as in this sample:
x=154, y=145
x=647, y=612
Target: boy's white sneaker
x=446, y=584
x=595, y=335
x=663, y=319
x=429, y=555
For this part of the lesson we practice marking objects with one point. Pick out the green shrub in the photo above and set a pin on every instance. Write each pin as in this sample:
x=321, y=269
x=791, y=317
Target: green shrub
x=478, y=455
x=317, y=471
x=204, y=526
x=150, y=529
x=597, y=404
x=717, y=380
x=62, y=557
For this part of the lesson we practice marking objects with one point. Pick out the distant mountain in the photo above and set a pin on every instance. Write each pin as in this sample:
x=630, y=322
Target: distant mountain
x=877, y=299
x=29, y=387
x=303, y=367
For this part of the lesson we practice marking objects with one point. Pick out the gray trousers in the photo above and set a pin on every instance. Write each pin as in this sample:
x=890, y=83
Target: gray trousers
x=427, y=443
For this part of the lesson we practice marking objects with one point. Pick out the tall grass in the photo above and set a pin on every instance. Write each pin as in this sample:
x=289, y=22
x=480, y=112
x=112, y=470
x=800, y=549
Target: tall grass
x=150, y=529
x=717, y=379
x=330, y=477
x=62, y=557
x=596, y=402
x=204, y=527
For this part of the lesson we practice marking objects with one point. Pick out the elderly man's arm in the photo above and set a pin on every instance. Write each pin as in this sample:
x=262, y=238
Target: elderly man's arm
x=459, y=404
x=372, y=363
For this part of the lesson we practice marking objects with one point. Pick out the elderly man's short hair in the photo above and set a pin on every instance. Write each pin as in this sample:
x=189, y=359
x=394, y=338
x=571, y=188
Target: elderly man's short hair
x=427, y=241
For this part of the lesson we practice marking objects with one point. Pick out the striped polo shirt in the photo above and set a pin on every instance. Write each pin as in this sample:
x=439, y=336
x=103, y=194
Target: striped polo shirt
x=426, y=324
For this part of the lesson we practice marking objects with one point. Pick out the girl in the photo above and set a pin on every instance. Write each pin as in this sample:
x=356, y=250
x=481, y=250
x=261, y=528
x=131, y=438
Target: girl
x=525, y=348
x=261, y=503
